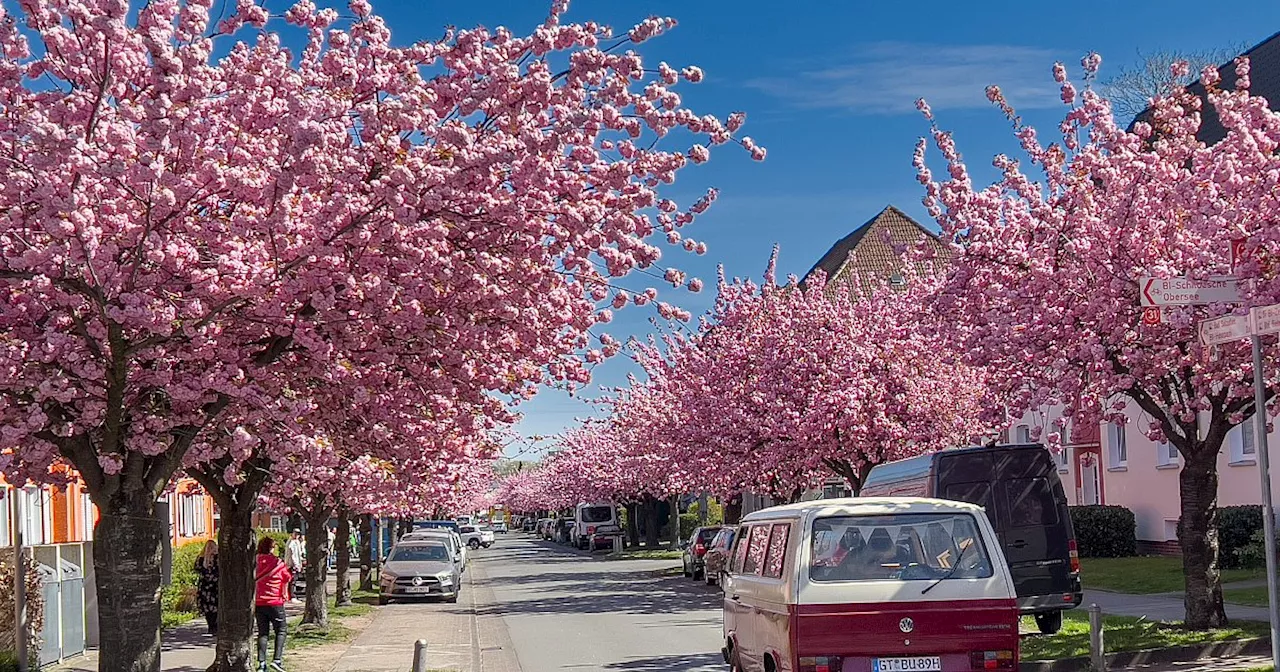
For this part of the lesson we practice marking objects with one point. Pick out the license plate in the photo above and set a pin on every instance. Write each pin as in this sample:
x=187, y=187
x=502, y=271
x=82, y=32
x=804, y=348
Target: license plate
x=427, y=589
x=913, y=664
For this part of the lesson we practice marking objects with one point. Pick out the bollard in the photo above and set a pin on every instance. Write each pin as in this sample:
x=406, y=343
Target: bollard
x=1097, y=658
x=420, y=656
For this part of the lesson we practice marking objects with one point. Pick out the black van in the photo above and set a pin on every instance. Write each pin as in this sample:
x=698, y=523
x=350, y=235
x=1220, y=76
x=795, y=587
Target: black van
x=1019, y=487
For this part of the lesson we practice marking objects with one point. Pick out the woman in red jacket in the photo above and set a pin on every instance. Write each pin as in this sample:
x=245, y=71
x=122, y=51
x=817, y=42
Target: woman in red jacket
x=270, y=593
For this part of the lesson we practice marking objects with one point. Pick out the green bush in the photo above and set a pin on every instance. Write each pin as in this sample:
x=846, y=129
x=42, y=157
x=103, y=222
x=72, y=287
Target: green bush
x=715, y=512
x=1104, y=531
x=281, y=538
x=688, y=523
x=1236, y=528
x=180, y=594
x=1252, y=555
x=8, y=661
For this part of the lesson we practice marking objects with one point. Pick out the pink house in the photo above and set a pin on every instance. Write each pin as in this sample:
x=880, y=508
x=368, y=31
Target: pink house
x=1112, y=464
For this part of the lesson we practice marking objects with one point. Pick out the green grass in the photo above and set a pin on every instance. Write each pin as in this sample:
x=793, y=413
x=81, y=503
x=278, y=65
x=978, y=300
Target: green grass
x=1253, y=597
x=1125, y=633
x=301, y=636
x=1146, y=575
x=172, y=619
x=646, y=554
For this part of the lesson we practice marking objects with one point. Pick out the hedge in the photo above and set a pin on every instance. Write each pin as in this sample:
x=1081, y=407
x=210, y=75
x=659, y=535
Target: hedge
x=1104, y=531
x=1236, y=527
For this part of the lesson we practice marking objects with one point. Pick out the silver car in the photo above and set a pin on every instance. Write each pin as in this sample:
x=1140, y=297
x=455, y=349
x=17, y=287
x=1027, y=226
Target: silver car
x=420, y=568
x=450, y=538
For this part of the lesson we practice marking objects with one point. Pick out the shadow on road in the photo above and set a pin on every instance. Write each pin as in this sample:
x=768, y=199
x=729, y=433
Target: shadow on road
x=701, y=662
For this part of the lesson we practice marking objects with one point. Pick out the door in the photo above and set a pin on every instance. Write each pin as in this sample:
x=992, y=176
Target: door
x=1090, y=478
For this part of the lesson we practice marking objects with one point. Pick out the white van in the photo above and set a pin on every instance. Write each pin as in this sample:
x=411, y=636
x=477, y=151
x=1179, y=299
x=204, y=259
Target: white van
x=875, y=583
x=594, y=519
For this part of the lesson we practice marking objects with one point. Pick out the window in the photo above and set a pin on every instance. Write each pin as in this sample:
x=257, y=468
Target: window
x=974, y=493
x=596, y=514
x=88, y=516
x=903, y=547
x=757, y=545
x=1022, y=434
x=6, y=510
x=1241, y=440
x=1166, y=454
x=740, y=551
x=777, y=550
x=1117, y=446
x=1030, y=502
x=37, y=514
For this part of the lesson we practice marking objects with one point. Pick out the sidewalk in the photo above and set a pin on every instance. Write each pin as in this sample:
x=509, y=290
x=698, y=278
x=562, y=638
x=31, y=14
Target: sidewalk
x=457, y=638
x=1165, y=607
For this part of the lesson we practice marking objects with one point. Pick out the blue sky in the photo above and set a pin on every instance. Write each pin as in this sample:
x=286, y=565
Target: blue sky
x=829, y=87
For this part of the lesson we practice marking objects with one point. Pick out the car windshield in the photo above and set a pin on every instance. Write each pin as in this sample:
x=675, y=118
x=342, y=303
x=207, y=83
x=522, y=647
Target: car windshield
x=419, y=553
x=907, y=546
x=597, y=514
x=706, y=534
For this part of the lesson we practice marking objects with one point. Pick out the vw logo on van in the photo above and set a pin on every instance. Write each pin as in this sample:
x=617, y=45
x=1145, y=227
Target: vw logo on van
x=906, y=625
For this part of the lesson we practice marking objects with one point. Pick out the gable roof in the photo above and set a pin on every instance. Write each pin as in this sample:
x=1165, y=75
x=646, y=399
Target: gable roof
x=869, y=250
x=1264, y=81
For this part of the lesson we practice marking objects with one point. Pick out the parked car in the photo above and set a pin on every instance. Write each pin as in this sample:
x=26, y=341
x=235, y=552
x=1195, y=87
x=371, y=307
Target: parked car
x=422, y=568
x=500, y=528
x=1019, y=488
x=528, y=525
x=694, y=550
x=564, y=530
x=717, y=557
x=451, y=538
x=544, y=528
x=475, y=537
x=888, y=583
x=589, y=517
x=435, y=525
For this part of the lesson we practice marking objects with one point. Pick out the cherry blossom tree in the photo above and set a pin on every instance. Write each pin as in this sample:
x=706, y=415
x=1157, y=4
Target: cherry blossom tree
x=199, y=222
x=1044, y=288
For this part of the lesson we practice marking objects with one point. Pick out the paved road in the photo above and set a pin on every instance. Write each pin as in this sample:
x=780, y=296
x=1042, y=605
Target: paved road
x=566, y=612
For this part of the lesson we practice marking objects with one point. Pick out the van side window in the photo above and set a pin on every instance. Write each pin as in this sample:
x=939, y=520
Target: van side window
x=758, y=544
x=739, y=551
x=777, y=550
x=975, y=493
x=1030, y=502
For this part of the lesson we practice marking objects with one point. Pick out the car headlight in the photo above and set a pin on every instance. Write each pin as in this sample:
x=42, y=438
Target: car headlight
x=445, y=578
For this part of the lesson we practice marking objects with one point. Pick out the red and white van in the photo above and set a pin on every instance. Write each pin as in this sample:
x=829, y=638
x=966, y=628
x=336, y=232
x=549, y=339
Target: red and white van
x=873, y=584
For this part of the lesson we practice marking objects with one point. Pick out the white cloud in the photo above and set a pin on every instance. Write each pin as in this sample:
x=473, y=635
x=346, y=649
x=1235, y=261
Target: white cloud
x=888, y=77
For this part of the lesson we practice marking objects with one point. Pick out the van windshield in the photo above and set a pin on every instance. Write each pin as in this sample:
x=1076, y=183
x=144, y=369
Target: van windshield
x=596, y=514
x=905, y=546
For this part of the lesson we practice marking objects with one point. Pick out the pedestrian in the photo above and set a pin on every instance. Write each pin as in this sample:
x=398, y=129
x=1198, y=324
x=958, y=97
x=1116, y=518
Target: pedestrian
x=207, y=586
x=295, y=555
x=271, y=591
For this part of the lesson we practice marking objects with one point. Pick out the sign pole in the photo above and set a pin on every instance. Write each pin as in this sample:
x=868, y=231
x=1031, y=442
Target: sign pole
x=1268, y=514
x=19, y=581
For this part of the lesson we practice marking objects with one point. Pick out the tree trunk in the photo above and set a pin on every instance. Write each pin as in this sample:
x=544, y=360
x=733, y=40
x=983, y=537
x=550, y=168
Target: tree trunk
x=316, y=609
x=675, y=521
x=236, y=567
x=1198, y=537
x=733, y=510
x=126, y=560
x=366, y=552
x=342, y=568
x=651, y=532
x=633, y=524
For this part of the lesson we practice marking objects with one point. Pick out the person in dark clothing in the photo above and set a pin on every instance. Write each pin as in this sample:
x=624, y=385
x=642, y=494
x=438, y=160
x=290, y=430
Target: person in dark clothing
x=207, y=586
x=271, y=591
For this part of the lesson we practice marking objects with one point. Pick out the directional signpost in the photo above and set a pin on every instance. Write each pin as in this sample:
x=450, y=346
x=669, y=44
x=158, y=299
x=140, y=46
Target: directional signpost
x=1188, y=292
x=1262, y=320
x=1265, y=320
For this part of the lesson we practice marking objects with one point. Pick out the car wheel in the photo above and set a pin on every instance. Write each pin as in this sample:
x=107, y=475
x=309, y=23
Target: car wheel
x=708, y=578
x=735, y=663
x=684, y=568
x=473, y=544
x=452, y=599
x=1049, y=622
x=383, y=600
x=488, y=544
x=698, y=574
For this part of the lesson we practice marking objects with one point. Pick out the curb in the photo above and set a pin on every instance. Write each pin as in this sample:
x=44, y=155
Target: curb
x=1174, y=654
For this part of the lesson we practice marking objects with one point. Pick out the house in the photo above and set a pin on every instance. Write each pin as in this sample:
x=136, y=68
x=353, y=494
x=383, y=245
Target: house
x=1117, y=464
x=57, y=526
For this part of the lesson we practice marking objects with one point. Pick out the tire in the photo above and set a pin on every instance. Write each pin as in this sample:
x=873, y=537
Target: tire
x=383, y=600
x=684, y=568
x=699, y=574
x=1049, y=622
x=473, y=544
x=453, y=599
x=735, y=664
x=488, y=545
